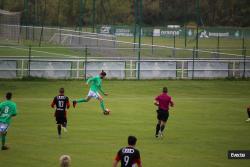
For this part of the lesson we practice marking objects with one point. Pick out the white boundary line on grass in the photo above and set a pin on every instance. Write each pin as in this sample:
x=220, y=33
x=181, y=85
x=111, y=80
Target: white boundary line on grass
x=71, y=56
x=51, y=53
x=160, y=46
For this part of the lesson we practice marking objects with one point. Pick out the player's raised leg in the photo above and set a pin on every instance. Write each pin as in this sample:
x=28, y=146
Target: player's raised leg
x=81, y=100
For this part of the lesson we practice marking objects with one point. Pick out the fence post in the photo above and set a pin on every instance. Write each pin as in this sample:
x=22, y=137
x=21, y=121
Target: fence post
x=60, y=35
x=79, y=38
x=152, y=42
x=140, y=34
x=139, y=56
x=29, y=60
x=93, y=15
x=244, y=56
x=78, y=66
x=33, y=33
x=244, y=63
x=243, y=44
x=20, y=33
x=182, y=69
x=41, y=36
x=85, y=63
x=193, y=63
x=43, y=20
x=218, y=46
x=26, y=14
x=22, y=68
x=174, y=46
x=197, y=41
x=135, y=21
x=234, y=64
x=197, y=27
x=185, y=35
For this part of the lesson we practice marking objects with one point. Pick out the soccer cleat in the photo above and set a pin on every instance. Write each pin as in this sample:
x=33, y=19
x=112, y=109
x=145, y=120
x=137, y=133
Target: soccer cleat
x=248, y=120
x=74, y=104
x=160, y=134
x=64, y=129
x=156, y=135
x=106, y=112
x=5, y=148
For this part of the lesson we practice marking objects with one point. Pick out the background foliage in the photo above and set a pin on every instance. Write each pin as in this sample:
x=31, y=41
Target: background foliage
x=155, y=12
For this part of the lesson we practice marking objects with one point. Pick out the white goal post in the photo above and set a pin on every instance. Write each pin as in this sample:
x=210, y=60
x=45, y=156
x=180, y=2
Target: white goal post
x=9, y=18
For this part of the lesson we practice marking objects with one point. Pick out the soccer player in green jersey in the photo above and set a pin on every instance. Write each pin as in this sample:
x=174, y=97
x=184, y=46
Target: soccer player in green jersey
x=7, y=110
x=95, y=88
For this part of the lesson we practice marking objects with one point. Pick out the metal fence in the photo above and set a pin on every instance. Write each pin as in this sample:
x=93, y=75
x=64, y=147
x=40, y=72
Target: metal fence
x=77, y=68
x=101, y=44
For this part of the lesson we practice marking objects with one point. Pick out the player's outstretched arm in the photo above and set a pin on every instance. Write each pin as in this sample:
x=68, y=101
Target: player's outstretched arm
x=156, y=103
x=53, y=104
x=67, y=103
x=138, y=162
x=100, y=89
x=115, y=163
x=90, y=80
x=172, y=104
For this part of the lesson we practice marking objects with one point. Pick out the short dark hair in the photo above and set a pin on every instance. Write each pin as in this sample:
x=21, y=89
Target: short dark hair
x=61, y=90
x=103, y=73
x=165, y=90
x=8, y=95
x=132, y=140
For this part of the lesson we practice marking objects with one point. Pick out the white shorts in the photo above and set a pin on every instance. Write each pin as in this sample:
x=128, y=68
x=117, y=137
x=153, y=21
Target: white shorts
x=3, y=127
x=93, y=94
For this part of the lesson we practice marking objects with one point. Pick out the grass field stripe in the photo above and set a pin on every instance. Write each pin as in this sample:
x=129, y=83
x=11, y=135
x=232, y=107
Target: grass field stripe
x=58, y=54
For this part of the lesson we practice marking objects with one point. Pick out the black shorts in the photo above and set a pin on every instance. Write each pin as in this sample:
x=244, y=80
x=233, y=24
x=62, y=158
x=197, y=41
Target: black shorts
x=61, y=120
x=162, y=115
x=60, y=117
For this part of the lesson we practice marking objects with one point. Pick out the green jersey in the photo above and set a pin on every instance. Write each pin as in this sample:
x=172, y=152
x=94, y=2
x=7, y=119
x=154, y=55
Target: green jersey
x=7, y=110
x=95, y=84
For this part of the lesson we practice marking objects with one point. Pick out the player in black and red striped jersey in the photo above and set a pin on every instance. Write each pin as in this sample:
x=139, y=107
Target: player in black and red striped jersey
x=129, y=156
x=61, y=103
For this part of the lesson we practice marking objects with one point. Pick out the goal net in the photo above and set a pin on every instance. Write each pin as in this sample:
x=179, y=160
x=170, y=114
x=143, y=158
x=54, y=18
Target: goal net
x=98, y=44
x=9, y=25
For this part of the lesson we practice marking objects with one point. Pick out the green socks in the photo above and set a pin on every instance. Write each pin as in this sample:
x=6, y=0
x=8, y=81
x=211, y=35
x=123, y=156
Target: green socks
x=84, y=100
x=3, y=139
x=102, y=105
x=81, y=100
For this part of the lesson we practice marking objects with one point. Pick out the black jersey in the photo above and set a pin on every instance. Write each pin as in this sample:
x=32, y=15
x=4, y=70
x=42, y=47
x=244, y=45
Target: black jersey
x=128, y=156
x=61, y=103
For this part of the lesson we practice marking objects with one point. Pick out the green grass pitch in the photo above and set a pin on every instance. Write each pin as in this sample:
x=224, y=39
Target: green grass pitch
x=207, y=121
